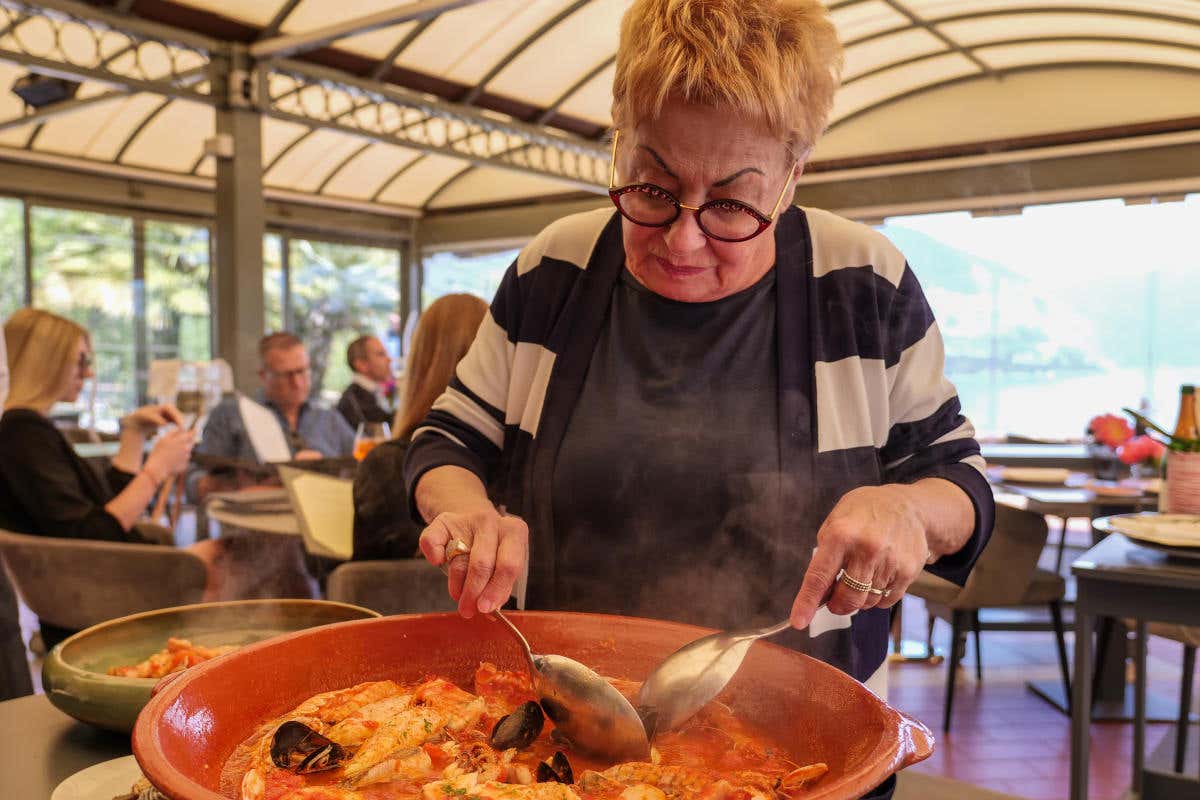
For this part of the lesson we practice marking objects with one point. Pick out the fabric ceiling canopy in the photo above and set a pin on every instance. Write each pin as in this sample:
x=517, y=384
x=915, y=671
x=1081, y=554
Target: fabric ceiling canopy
x=551, y=62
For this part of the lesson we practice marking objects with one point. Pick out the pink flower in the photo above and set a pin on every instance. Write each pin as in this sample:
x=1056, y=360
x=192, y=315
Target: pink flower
x=1110, y=429
x=1141, y=448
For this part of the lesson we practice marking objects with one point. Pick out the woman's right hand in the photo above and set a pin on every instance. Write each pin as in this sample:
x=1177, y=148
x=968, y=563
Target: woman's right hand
x=171, y=454
x=147, y=419
x=499, y=547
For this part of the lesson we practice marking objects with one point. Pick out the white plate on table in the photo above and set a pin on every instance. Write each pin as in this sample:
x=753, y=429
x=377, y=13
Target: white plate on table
x=102, y=781
x=1170, y=530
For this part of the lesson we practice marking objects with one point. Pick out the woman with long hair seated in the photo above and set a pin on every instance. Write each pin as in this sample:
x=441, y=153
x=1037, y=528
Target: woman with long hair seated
x=383, y=526
x=45, y=488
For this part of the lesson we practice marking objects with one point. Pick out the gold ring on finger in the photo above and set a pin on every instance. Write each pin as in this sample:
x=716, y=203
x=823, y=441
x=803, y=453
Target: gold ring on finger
x=853, y=583
x=456, y=548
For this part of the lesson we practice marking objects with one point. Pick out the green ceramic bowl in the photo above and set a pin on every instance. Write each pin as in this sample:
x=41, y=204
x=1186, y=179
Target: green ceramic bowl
x=74, y=674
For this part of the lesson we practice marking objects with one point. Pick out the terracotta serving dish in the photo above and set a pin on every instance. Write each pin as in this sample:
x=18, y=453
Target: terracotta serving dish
x=187, y=731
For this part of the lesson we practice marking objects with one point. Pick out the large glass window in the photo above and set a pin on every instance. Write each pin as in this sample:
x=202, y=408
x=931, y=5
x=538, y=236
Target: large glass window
x=178, y=316
x=1063, y=311
x=474, y=273
x=337, y=293
x=12, y=256
x=83, y=270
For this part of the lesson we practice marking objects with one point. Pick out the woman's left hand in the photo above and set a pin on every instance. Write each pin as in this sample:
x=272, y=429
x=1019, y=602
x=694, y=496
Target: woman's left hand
x=877, y=536
x=147, y=419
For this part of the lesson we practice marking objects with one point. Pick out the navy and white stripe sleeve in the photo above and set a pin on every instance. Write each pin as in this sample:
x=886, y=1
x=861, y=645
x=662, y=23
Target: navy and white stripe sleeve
x=928, y=436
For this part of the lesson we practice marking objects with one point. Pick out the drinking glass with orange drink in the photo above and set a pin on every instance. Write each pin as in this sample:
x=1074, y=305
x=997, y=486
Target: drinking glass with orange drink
x=369, y=434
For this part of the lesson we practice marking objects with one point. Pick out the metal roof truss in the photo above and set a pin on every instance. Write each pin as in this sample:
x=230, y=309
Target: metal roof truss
x=129, y=54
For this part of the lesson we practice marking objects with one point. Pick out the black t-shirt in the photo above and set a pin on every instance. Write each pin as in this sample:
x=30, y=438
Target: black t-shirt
x=668, y=476
x=47, y=490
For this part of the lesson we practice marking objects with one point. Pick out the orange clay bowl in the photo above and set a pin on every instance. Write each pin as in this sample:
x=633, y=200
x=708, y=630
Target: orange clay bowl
x=191, y=726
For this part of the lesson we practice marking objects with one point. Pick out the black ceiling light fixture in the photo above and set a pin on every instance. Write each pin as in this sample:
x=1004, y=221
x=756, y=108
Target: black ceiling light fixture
x=39, y=91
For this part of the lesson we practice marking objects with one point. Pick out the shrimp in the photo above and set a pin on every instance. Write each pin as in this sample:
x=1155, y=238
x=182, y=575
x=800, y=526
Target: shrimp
x=647, y=781
x=460, y=708
x=412, y=727
x=469, y=785
x=343, y=704
x=670, y=778
x=356, y=728
x=411, y=763
x=322, y=793
x=642, y=791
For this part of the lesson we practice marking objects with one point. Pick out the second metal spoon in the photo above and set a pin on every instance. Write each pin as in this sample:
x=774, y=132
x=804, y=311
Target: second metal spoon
x=693, y=675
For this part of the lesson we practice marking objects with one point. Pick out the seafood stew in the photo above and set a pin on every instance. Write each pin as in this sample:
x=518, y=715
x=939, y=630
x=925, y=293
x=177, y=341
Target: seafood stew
x=187, y=733
x=178, y=654
x=383, y=740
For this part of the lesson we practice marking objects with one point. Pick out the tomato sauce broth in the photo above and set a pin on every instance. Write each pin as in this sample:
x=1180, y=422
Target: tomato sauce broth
x=714, y=744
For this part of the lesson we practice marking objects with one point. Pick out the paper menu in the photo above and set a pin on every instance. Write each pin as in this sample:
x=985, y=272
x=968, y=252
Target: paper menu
x=324, y=506
x=263, y=428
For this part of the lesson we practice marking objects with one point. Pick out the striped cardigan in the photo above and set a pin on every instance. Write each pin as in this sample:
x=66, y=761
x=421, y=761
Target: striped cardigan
x=862, y=395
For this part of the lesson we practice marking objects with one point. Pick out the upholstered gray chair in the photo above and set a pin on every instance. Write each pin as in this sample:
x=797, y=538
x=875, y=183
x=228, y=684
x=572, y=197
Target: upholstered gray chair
x=76, y=583
x=1005, y=576
x=400, y=586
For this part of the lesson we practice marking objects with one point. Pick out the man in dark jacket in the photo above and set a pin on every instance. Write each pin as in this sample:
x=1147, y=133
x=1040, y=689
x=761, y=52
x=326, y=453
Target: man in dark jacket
x=363, y=400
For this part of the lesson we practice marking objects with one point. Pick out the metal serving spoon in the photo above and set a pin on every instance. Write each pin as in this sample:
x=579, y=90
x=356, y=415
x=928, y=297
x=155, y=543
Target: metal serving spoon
x=589, y=712
x=693, y=675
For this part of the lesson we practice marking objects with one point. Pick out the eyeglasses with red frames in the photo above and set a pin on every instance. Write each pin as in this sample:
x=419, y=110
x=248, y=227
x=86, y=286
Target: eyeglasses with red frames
x=654, y=207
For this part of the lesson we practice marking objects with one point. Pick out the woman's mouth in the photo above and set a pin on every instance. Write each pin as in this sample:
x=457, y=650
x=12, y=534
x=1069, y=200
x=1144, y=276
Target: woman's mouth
x=678, y=270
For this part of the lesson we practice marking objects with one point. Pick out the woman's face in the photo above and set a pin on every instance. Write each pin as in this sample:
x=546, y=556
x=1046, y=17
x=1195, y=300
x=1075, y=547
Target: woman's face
x=78, y=372
x=699, y=153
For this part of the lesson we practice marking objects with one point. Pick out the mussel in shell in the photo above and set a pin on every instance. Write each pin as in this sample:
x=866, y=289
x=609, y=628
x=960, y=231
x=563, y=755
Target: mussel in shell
x=555, y=769
x=298, y=748
x=520, y=728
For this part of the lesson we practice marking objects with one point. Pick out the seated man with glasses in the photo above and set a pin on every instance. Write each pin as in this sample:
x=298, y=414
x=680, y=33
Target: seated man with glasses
x=311, y=431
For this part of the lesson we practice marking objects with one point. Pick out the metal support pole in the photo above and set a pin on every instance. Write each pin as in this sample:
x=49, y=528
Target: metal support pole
x=141, y=337
x=285, y=282
x=240, y=225
x=27, y=249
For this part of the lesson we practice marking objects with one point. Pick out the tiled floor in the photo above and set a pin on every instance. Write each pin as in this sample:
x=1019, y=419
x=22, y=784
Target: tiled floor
x=1002, y=735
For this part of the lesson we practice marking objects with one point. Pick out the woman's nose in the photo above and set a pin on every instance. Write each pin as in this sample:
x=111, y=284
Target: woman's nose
x=684, y=235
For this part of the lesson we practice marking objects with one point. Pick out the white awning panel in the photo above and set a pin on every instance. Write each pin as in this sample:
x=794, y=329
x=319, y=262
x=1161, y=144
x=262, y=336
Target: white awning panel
x=419, y=180
x=365, y=174
x=889, y=49
x=546, y=69
x=861, y=20
x=858, y=95
x=593, y=100
x=482, y=185
x=465, y=44
x=174, y=139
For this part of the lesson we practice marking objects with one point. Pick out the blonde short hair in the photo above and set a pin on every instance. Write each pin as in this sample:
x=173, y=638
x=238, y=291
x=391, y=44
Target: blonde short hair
x=777, y=61
x=41, y=355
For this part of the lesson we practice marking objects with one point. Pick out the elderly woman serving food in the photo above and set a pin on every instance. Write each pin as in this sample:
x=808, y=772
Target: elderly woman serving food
x=707, y=404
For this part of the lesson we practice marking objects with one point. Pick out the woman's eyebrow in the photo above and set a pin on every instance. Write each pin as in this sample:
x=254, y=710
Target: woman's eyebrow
x=722, y=182
x=738, y=174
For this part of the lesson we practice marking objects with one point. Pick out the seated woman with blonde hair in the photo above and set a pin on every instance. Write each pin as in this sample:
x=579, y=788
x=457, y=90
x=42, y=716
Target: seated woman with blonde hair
x=49, y=490
x=383, y=527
